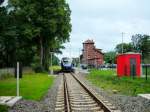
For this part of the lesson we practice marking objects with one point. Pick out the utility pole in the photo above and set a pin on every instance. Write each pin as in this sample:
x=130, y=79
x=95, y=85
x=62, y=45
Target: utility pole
x=79, y=58
x=122, y=41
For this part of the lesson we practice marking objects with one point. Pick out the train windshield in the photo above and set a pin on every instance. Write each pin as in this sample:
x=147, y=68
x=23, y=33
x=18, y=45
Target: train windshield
x=66, y=60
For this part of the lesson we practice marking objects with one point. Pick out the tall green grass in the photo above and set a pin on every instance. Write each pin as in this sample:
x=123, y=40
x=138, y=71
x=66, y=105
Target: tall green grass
x=32, y=86
x=108, y=80
x=3, y=108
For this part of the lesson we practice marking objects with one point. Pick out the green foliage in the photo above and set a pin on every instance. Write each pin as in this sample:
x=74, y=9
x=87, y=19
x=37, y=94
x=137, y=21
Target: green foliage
x=55, y=68
x=3, y=108
x=32, y=86
x=127, y=47
x=75, y=61
x=45, y=21
x=55, y=60
x=33, y=28
x=141, y=44
x=37, y=68
x=108, y=80
x=7, y=38
x=109, y=57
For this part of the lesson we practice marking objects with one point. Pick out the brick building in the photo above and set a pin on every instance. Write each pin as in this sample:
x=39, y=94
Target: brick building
x=91, y=55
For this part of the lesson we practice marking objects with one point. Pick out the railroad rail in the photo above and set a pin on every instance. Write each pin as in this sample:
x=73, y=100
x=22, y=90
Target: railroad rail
x=75, y=96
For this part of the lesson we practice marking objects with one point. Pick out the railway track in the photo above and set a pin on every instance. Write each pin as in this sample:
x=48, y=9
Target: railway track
x=74, y=96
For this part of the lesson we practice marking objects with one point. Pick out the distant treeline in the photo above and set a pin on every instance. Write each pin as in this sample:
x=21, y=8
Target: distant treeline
x=139, y=44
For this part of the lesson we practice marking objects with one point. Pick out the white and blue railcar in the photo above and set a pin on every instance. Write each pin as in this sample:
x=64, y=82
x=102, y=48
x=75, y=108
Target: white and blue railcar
x=67, y=65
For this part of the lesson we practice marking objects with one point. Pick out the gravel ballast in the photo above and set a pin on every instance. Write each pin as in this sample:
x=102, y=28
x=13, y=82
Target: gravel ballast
x=122, y=102
x=47, y=104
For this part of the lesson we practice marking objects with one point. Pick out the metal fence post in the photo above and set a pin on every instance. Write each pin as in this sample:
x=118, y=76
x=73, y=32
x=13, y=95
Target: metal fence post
x=146, y=71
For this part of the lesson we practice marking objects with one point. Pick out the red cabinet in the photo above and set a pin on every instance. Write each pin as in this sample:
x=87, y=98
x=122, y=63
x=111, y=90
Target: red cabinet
x=129, y=64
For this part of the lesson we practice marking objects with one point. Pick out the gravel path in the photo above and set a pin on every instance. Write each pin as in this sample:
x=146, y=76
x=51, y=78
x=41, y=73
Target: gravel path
x=47, y=104
x=122, y=102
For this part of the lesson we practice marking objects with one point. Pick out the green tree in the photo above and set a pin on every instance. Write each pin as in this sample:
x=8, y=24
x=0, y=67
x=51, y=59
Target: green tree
x=7, y=38
x=141, y=44
x=127, y=47
x=13, y=45
x=43, y=22
x=109, y=57
x=55, y=60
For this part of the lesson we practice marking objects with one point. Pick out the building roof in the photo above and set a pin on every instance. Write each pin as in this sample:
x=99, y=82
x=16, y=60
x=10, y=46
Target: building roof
x=129, y=53
x=88, y=42
x=99, y=51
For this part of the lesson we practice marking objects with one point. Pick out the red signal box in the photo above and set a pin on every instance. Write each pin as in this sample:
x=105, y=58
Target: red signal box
x=129, y=64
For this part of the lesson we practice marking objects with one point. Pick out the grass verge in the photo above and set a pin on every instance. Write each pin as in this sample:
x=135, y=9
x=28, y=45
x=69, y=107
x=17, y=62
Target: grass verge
x=108, y=80
x=3, y=108
x=32, y=86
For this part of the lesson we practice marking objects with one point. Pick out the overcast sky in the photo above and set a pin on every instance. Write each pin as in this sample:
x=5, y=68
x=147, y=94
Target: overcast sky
x=104, y=20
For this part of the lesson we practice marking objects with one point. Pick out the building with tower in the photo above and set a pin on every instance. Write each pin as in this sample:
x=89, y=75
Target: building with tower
x=91, y=56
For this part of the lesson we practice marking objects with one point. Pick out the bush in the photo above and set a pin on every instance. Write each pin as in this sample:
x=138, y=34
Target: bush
x=56, y=69
x=37, y=68
x=36, y=65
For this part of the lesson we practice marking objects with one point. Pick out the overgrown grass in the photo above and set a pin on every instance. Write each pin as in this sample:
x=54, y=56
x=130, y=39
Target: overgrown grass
x=32, y=86
x=108, y=80
x=3, y=108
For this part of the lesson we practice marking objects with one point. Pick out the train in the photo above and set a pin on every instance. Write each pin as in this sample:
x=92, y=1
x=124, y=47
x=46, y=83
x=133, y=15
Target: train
x=67, y=65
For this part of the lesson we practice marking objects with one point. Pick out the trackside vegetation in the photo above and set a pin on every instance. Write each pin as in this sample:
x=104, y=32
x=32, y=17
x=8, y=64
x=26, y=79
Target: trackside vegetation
x=3, y=108
x=32, y=86
x=108, y=80
x=55, y=68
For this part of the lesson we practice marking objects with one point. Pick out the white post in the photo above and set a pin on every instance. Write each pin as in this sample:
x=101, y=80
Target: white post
x=51, y=63
x=17, y=78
